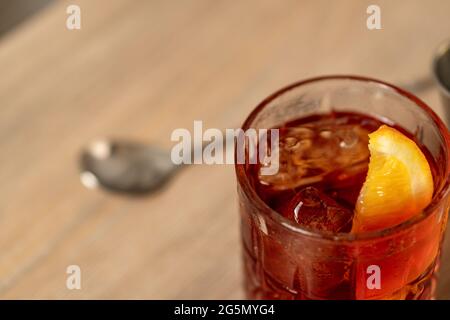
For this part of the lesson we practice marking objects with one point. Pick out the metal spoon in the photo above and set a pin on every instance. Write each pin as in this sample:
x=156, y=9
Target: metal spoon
x=125, y=166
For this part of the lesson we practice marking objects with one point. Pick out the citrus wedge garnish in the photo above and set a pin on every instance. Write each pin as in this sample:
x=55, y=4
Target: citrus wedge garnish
x=399, y=183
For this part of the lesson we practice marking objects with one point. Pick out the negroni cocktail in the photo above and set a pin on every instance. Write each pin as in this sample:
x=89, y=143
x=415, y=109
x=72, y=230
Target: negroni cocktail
x=358, y=207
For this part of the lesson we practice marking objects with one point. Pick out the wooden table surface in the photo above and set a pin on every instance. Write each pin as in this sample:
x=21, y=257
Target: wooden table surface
x=138, y=70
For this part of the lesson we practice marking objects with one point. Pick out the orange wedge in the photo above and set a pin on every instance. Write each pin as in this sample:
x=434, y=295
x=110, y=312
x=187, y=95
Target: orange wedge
x=398, y=185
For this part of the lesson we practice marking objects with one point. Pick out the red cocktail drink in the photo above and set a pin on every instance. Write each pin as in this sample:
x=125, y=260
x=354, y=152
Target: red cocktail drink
x=296, y=225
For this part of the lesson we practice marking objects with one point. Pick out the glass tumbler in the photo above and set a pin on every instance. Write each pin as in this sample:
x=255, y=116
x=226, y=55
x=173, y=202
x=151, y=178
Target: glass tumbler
x=283, y=260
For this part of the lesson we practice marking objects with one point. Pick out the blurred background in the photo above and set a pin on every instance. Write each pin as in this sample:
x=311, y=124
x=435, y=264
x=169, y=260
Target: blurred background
x=13, y=13
x=138, y=70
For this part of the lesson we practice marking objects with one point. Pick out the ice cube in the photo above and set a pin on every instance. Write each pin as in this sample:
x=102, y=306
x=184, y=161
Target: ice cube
x=308, y=154
x=312, y=208
x=353, y=143
x=344, y=185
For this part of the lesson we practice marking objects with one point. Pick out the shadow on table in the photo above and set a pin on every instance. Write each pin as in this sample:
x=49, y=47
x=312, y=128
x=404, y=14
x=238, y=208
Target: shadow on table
x=14, y=12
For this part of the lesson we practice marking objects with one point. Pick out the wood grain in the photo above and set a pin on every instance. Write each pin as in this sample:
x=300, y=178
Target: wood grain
x=139, y=69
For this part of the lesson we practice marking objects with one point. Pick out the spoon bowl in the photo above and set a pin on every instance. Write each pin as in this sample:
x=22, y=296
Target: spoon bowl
x=125, y=166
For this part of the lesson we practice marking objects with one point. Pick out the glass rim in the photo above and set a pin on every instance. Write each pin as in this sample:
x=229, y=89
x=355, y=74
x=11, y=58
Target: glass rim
x=244, y=182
